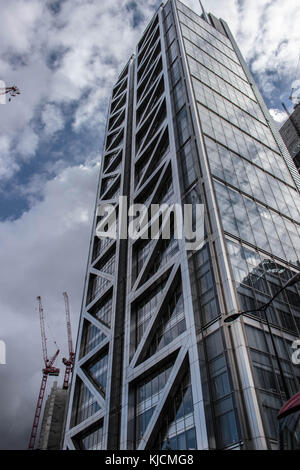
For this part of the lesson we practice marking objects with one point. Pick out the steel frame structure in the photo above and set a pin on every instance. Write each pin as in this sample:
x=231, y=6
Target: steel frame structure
x=139, y=164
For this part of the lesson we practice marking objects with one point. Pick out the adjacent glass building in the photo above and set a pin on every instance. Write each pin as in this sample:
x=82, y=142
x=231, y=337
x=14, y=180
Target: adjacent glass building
x=156, y=367
x=290, y=133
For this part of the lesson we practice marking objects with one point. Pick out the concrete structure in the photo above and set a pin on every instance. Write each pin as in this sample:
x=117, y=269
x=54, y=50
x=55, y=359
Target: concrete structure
x=54, y=419
x=156, y=368
x=290, y=133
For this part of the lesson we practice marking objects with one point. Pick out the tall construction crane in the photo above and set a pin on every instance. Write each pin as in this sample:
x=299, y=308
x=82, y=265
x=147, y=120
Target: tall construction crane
x=10, y=90
x=49, y=369
x=68, y=362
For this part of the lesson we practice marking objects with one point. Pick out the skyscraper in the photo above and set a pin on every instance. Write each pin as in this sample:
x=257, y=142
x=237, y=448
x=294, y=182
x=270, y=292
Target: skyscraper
x=290, y=133
x=156, y=367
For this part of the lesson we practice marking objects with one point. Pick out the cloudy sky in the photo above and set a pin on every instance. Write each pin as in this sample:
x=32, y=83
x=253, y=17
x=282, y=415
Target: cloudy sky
x=65, y=55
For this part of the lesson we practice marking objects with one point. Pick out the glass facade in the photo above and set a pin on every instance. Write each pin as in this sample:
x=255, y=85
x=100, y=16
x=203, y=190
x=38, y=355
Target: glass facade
x=178, y=428
x=219, y=393
x=92, y=336
x=102, y=310
x=91, y=439
x=86, y=404
x=259, y=207
x=97, y=370
x=156, y=367
x=147, y=395
x=290, y=133
x=171, y=325
x=146, y=307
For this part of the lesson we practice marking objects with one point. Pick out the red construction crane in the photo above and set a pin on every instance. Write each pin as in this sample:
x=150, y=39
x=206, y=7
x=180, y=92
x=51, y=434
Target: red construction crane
x=68, y=362
x=49, y=369
x=10, y=90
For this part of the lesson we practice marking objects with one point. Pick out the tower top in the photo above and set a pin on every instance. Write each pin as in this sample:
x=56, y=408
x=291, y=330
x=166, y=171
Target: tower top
x=197, y=7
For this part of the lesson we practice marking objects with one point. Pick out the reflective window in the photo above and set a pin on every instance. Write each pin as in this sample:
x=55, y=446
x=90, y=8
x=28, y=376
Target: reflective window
x=107, y=265
x=257, y=225
x=171, y=323
x=251, y=180
x=97, y=285
x=141, y=251
x=154, y=153
x=91, y=337
x=197, y=27
x=84, y=404
x=183, y=126
x=178, y=429
x=175, y=72
x=188, y=157
x=92, y=440
x=267, y=375
x=196, y=18
x=178, y=96
x=147, y=395
x=199, y=61
x=207, y=297
x=163, y=253
x=234, y=115
x=225, y=89
x=170, y=35
x=98, y=372
x=241, y=143
x=99, y=246
x=146, y=307
x=205, y=46
x=102, y=310
x=221, y=393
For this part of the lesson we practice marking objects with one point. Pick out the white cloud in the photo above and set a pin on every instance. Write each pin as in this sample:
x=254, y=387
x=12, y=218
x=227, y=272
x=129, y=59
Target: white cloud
x=4, y=145
x=27, y=143
x=52, y=118
x=20, y=18
x=71, y=57
x=42, y=253
x=7, y=166
x=279, y=116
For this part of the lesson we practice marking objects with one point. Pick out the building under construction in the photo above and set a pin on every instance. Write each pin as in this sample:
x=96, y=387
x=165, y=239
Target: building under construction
x=53, y=424
x=54, y=414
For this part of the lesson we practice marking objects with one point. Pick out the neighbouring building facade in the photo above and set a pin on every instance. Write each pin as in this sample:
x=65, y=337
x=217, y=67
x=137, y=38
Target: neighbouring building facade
x=156, y=367
x=290, y=133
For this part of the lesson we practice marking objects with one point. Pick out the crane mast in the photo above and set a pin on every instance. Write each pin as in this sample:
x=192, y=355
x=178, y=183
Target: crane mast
x=49, y=369
x=70, y=361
